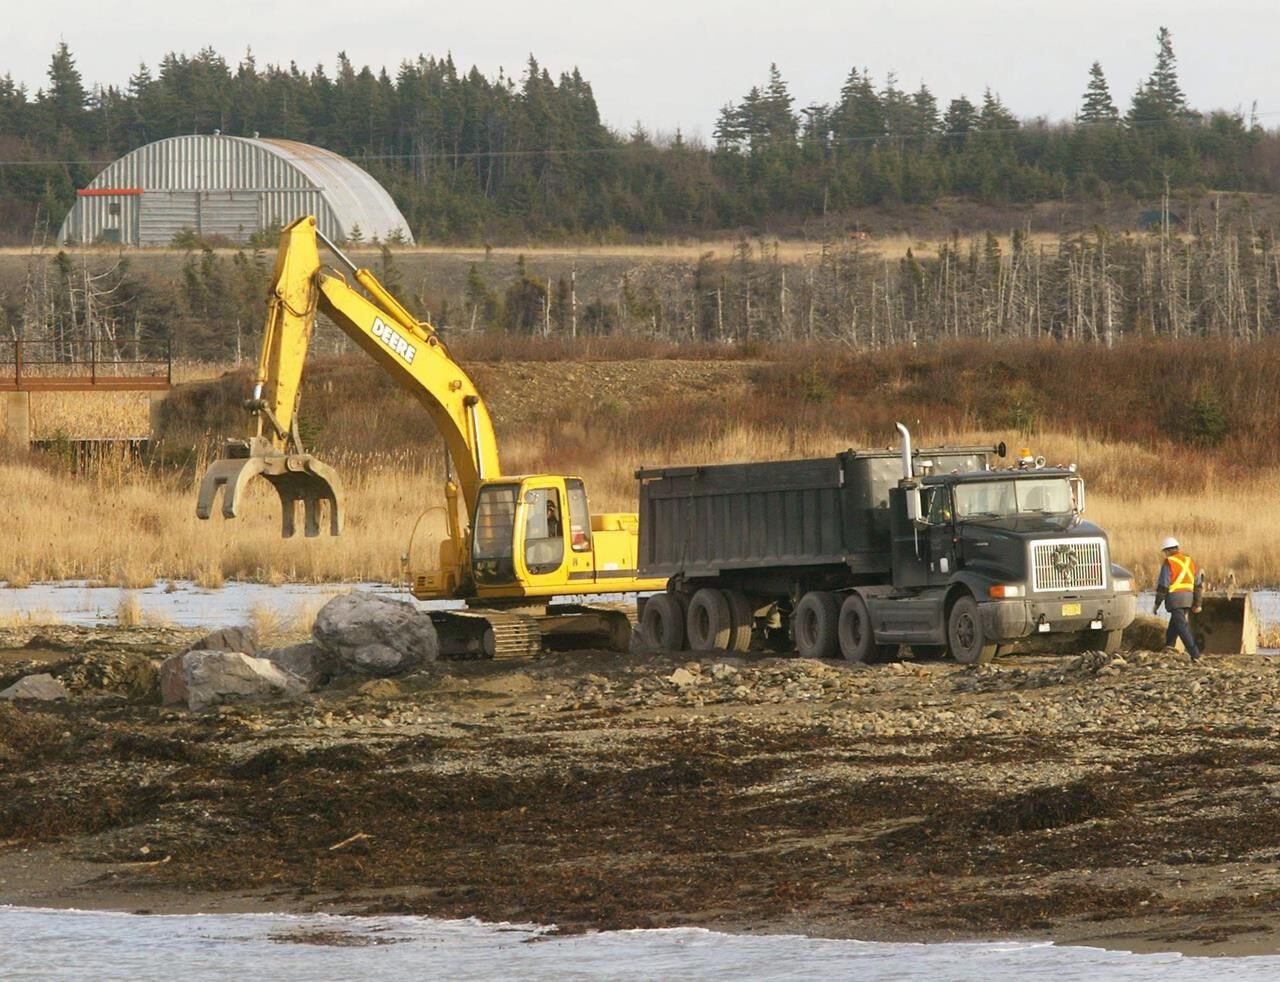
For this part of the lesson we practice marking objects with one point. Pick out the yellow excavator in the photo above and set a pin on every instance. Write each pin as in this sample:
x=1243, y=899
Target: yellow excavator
x=527, y=539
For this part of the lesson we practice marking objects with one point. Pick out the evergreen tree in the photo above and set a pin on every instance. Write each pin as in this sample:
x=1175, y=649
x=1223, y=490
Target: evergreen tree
x=994, y=117
x=64, y=104
x=1160, y=99
x=13, y=105
x=927, y=120
x=961, y=117
x=729, y=132
x=899, y=111
x=859, y=115
x=137, y=131
x=781, y=123
x=1097, y=106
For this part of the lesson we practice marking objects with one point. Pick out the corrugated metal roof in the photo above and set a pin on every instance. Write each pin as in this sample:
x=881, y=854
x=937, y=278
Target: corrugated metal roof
x=198, y=175
x=355, y=195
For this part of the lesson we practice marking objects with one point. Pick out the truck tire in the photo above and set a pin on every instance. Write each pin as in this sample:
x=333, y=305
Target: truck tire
x=853, y=629
x=815, y=623
x=965, y=637
x=662, y=623
x=743, y=617
x=1105, y=641
x=709, y=624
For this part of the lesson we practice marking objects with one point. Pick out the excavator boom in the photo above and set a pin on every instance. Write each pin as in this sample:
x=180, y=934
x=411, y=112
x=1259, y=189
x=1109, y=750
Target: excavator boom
x=409, y=350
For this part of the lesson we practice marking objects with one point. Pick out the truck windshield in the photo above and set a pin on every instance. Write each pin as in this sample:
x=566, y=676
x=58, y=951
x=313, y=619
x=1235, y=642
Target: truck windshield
x=1003, y=499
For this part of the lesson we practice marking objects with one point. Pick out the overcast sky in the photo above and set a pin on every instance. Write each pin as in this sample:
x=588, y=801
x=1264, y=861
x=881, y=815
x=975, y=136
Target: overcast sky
x=671, y=64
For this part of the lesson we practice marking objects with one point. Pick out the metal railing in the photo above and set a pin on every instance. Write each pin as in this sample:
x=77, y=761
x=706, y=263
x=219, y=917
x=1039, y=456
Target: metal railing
x=81, y=365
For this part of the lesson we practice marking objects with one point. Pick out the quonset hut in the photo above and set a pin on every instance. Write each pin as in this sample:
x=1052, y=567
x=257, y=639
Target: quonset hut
x=229, y=187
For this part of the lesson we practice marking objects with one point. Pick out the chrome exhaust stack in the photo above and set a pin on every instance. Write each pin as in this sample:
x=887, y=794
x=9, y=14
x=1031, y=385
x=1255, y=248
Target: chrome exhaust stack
x=908, y=482
x=907, y=470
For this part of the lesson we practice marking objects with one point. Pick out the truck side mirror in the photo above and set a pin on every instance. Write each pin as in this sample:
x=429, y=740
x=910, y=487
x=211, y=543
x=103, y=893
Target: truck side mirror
x=912, y=493
x=1077, y=494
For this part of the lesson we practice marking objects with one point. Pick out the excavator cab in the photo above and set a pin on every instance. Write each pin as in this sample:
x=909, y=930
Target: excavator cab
x=519, y=532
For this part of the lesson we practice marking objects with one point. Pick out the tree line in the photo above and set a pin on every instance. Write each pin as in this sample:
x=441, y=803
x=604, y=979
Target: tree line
x=470, y=158
x=1221, y=280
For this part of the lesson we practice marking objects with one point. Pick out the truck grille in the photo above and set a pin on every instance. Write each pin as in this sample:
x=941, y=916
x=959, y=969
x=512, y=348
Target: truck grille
x=1069, y=564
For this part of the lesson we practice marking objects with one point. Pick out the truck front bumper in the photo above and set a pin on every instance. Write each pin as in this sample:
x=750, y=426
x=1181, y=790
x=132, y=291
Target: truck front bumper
x=1012, y=620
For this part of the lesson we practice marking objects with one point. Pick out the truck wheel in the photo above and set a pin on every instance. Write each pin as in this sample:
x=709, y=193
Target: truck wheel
x=662, y=623
x=968, y=644
x=709, y=623
x=857, y=641
x=815, y=623
x=743, y=617
x=1107, y=641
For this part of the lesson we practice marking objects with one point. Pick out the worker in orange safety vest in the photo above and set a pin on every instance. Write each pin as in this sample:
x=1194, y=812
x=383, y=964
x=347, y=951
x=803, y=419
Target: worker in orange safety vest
x=1179, y=588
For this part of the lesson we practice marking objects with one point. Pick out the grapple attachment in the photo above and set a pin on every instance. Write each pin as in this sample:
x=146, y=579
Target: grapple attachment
x=296, y=478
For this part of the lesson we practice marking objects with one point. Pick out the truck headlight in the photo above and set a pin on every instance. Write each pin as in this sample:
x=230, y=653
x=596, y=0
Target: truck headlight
x=1003, y=591
x=1121, y=585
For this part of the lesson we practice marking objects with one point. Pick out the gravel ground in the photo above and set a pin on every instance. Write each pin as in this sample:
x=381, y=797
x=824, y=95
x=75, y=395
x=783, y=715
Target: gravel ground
x=1124, y=800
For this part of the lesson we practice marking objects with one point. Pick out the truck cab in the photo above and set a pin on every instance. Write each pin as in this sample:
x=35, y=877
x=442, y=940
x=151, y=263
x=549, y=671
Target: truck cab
x=1008, y=560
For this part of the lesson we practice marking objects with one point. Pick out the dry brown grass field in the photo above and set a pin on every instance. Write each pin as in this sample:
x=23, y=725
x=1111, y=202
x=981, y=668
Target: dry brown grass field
x=893, y=245
x=1125, y=416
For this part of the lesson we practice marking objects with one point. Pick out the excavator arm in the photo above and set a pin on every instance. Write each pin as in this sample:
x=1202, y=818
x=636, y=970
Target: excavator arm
x=409, y=350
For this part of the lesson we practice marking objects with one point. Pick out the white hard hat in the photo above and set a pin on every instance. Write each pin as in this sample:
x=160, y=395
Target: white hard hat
x=1169, y=543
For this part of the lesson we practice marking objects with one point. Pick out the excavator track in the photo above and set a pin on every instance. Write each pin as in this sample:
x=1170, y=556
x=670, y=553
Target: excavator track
x=487, y=634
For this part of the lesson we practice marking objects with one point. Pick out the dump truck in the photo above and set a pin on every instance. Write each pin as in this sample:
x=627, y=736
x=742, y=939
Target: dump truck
x=868, y=550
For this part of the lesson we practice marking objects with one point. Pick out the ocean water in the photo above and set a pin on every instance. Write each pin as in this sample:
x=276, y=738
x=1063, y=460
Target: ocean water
x=81, y=945
x=184, y=604
x=180, y=603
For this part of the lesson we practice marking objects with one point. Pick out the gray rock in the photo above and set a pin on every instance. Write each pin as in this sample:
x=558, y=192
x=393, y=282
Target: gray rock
x=682, y=678
x=308, y=661
x=242, y=639
x=376, y=635
x=215, y=677
x=43, y=687
x=173, y=680
x=173, y=672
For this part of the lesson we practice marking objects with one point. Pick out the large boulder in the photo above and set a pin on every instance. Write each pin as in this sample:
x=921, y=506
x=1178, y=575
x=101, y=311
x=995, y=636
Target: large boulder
x=173, y=680
x=376, y=635
x=310, y=662
x=208, y=678
x=174, y=671
x=242, y=639
x=43, y=688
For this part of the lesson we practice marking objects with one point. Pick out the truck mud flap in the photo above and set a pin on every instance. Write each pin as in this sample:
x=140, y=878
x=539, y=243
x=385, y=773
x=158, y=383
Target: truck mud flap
x=1226, y=624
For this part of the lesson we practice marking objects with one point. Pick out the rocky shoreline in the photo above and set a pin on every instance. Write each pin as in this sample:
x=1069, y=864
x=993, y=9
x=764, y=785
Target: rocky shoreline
x=1122, y=800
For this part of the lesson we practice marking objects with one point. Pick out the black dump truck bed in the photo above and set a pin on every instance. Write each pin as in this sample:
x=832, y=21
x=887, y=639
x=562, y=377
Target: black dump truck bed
x=699, y=521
